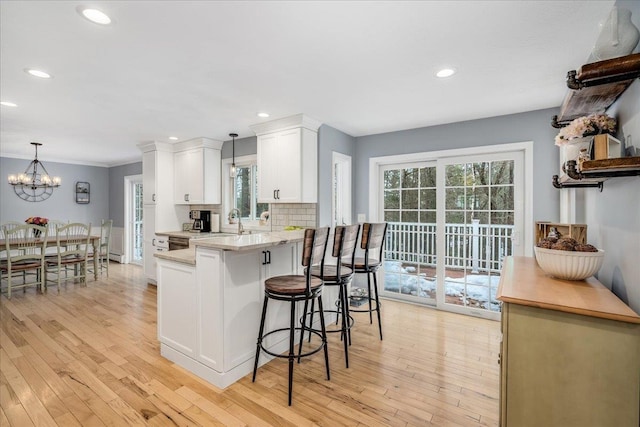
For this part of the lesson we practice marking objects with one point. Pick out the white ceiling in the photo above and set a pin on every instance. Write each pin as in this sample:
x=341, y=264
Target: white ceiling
x=198, y=68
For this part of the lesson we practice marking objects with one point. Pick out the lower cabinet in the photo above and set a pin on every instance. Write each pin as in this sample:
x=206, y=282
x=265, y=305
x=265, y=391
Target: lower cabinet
x=177, y=299
x=209, y=314
x=564, y=369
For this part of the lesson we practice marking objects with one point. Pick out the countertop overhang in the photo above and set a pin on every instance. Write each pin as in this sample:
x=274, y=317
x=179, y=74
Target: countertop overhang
x=245, y=242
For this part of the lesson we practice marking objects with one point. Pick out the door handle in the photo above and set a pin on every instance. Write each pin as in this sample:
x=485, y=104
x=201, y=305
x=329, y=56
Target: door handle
x=153, y=197
x=269, y=257
x=278, y=192
x=274, y=194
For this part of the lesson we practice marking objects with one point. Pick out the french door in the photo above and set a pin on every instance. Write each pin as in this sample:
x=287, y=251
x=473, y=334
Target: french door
x=452, y=221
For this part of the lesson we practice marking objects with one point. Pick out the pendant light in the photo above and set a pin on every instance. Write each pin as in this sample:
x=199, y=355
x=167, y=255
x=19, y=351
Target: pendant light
x=35, y=184
x=232, y=170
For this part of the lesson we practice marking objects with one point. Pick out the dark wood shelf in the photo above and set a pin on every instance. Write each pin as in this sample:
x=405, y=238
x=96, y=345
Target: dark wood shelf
x=595, y=172
x=595, y=86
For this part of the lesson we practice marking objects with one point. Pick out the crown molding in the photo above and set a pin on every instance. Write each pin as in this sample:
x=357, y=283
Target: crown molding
x=295, y=121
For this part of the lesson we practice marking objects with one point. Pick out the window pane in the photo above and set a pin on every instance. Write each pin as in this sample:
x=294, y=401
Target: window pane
x=392, y=199
x=409, y=199
x=428, y=177
x=454, y=198
x=454, y=175
x=478, y=173
x=428, y=217
x=502, y=172
x=243, y=191
x=409, y=216
x=502, y=198
x=428, y=199
x=410, y=178
x=392, y=179
x=392, y=216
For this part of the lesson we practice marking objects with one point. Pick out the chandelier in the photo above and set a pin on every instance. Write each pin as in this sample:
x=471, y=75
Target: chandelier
x=35, y=184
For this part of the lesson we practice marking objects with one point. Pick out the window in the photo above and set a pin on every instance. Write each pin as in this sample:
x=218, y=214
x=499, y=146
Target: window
x=245, y=192
x=241, y=192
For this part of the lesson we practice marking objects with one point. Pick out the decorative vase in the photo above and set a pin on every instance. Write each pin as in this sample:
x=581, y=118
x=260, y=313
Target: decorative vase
x=618, y=36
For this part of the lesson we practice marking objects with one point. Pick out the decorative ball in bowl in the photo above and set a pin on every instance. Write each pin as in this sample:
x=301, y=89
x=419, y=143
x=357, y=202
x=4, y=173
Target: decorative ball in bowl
x=569, y=265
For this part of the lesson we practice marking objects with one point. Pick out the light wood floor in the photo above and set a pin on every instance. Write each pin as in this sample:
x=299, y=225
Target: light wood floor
x=90, y=356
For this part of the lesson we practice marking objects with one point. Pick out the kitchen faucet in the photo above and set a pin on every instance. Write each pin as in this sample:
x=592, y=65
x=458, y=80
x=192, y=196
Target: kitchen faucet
x=237, y=212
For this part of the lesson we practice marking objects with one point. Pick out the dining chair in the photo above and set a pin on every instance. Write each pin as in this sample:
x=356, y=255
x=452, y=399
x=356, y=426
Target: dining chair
x=103, y=248
x=294, y=289
x=25, y=252
x=72, y=243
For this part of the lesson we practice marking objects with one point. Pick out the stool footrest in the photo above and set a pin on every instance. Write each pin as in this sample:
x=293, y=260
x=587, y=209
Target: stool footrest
x=293, y=356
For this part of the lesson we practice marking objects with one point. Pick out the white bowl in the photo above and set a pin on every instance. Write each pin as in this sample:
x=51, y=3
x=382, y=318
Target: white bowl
x=569, y=265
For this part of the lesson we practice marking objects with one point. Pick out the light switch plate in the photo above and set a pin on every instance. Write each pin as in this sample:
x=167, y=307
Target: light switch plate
x=362, y=217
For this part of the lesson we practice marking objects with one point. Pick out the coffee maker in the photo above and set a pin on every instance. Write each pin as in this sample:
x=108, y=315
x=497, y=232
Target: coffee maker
x=201, y=221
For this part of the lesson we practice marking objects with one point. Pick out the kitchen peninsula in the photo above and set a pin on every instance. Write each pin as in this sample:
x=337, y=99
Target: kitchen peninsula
x=210, y=300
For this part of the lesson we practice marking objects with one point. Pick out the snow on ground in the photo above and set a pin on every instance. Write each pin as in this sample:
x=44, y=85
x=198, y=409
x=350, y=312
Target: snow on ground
x=480, y=288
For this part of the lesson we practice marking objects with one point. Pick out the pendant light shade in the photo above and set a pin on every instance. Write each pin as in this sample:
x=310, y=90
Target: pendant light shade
x=232, y=170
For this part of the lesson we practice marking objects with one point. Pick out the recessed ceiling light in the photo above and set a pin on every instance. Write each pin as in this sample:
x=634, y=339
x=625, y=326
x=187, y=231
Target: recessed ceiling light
x=263, y=115
x=173, y=138
x=445, y=72
x=8, y=104
x=37, y=73
x=95, y=15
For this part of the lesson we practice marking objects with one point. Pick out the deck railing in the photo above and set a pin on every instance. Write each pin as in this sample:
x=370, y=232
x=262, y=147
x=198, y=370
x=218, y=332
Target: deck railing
x=476, y=247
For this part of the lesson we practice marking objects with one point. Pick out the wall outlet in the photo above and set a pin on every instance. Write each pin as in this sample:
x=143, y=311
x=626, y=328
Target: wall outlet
x=362, y=217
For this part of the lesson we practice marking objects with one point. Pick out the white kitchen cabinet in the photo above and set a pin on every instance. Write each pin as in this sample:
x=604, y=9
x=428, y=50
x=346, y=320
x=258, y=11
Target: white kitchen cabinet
x=208, y=314
x=197, y=169
x=177, y=306
x=287, y=160
x=159, y=211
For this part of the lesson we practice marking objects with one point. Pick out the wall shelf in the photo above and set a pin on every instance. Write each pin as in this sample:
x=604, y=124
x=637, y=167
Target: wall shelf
x=595, y=172
x=595, y=86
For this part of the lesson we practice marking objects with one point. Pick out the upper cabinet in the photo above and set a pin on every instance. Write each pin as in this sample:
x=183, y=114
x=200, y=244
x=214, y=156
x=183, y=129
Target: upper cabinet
x=157, y=173
x=197, y=169
x=288, y=160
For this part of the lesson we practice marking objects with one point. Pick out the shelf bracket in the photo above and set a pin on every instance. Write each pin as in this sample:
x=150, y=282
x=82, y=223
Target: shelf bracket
x=557, y=184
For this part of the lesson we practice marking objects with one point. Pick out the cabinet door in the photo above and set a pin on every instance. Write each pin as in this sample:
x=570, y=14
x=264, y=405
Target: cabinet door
x=289, y=179
x=210, y=308
x=243, y=297
x=177, y=314
x=149, y=178
x=148, y=231
x=268, y=165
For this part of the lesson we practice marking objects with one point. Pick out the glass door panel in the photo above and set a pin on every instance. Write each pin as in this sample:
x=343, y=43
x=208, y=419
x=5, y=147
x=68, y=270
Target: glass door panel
x=409, y=207
x=479, y=221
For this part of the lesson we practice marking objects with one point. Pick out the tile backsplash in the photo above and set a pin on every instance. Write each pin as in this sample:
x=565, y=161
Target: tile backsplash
x=301, y=214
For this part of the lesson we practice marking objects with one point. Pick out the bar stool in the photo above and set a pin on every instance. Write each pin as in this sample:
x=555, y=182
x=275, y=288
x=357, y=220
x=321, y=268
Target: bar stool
x=373, y=236
x=292, y=289
x=344, y=246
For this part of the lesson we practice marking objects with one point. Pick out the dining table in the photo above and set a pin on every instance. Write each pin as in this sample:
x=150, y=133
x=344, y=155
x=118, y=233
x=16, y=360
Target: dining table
x=52, y=241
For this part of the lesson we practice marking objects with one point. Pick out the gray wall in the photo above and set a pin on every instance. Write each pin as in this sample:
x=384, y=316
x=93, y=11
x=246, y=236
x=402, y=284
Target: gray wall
x=531, y=126
x=61, y=205
x=613, y=216
x=116, y=190
x=244, y=147
x=330, y=140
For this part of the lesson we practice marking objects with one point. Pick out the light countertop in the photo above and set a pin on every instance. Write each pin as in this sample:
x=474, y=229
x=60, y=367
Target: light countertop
x=523, y=282
x=189, y=234
x=246, y=242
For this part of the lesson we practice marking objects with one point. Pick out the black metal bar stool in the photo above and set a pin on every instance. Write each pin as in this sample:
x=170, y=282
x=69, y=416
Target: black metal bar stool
x=373, y=236
x=292, y=289
x=344, y=246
